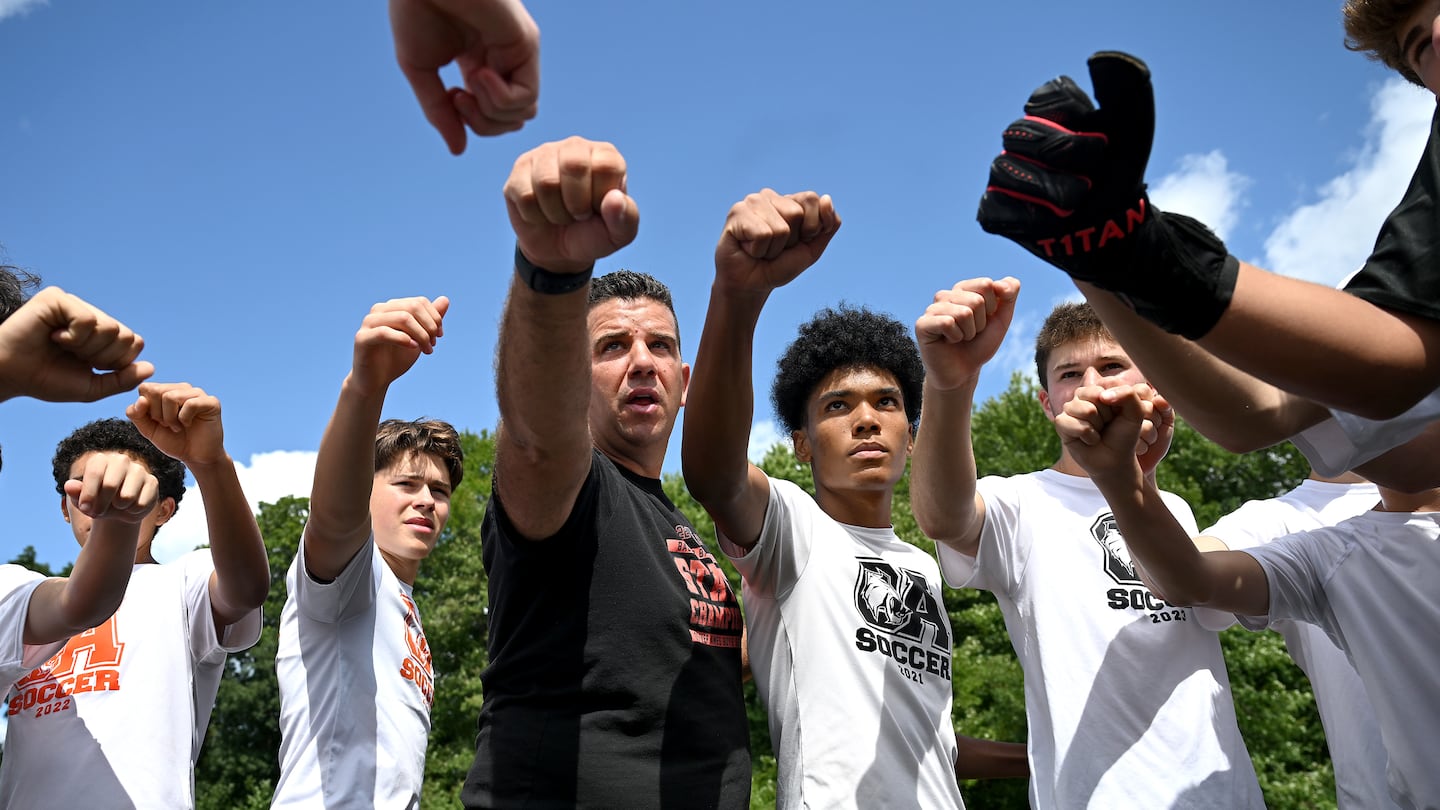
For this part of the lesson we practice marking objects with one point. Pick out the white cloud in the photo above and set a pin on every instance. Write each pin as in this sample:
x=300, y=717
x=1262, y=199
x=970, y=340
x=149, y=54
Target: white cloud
x=1330, y=238
x=10, y=8
x=266, y=479
x=763, y=436
x=1204, y=188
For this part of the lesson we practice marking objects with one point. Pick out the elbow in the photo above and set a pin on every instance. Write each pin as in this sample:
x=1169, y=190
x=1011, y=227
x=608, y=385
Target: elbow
x=252, y=593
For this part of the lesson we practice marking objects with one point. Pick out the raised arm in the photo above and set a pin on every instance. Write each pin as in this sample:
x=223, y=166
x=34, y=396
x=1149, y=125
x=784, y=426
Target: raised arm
x=958, y=334
x=391, y=338
x=769, y=239
x=496, y=46
x=117, y=493
x=1102, y=437
x=58, y=348
x=184, y=423
x=1235, y=410
x=1070, y=188
x=568, y=207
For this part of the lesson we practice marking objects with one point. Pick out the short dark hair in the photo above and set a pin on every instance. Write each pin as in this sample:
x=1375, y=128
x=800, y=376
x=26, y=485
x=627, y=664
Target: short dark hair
x=398, y=438
x=1066, y=323
x=118, y=436
x=15, y=287
x=1370, y=28
x=628, y=285
x=845, y=338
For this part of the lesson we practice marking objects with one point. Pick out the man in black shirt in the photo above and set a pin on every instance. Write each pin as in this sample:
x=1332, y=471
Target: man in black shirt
x=614, y=677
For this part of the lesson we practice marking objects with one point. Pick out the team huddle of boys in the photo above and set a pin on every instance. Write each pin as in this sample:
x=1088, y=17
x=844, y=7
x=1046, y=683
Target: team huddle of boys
x=617, y=648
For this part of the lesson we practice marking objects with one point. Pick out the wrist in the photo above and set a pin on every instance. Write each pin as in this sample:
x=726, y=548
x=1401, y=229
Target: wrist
x=560, y=278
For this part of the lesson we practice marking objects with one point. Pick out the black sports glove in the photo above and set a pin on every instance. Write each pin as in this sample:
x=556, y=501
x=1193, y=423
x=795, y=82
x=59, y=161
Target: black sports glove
x=1070, y=188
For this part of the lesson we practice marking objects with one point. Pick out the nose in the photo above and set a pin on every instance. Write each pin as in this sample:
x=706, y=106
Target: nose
x=1091, y=377
x=642, y=360
x=865, y=420
x=425, y=499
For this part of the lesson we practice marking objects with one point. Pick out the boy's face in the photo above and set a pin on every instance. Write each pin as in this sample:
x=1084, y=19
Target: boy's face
x=1418, y=38
x=638, y=381
x=409, y=505
x=80, y=523
x=1081, y=363
x=856, y=434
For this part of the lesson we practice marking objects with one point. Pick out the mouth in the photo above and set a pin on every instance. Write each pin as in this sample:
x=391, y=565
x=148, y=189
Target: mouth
x=421, y=523
x=870, y=450
x=643, y=399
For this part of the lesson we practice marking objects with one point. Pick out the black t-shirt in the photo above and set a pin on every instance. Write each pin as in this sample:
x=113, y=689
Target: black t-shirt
x=1402, y=272
x=614, y=676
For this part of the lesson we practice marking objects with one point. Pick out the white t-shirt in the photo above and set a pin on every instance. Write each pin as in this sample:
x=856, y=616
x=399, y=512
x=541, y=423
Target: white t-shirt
x=850, y=647
x=1351, y=730
x=1369, y=583
x=116, y=719
x=17, y=585
x=356, y=684
x=1345, y=441
x=1126, y=696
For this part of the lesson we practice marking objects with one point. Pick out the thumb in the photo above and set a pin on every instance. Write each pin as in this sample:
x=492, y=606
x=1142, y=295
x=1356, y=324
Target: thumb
x=1127, y=111
x=621, y=216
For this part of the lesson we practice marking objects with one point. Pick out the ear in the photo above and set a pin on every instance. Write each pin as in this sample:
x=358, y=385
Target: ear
x=1044, y=397
x=801, y=443
x=684, y=382
x=65, y=507
x=910, y=443
x=164, y=511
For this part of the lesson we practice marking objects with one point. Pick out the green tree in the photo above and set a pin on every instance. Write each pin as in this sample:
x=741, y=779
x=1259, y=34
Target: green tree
x=239, y=763
x=452, y=594
x=26, y=557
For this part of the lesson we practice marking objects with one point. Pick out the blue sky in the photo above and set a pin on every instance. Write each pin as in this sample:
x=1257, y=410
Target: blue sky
x=240, y=182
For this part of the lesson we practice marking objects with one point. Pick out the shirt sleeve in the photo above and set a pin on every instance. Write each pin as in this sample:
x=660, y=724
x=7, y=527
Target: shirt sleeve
x=777, y=560
x=1000, y=559
x=1402, y=272
x=206, y=643
x=17, y=585
x=1345, y=441
x=349, y=594
x=1296, y=567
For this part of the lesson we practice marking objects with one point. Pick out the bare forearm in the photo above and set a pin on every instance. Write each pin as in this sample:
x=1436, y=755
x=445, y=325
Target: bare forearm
x=344, y=473
x=1234, y=409
x=721, y=401
x=1327, y=345
x=60, y=608
x=242, y=567
x=942, y=471
x=989, y=759
x=543, y=388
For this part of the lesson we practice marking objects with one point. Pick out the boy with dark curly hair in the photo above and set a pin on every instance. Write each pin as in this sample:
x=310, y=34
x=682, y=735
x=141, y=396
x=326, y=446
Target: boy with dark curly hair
x=1126, y=696
x=126, y=703
x=848, y=637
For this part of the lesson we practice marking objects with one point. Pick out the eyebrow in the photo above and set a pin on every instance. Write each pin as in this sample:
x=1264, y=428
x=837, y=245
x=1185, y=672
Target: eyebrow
x=842, y=393
x=1120, y=358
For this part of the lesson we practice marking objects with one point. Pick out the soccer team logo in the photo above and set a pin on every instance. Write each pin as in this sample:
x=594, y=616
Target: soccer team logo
x=898, y=602
x=1118, y=563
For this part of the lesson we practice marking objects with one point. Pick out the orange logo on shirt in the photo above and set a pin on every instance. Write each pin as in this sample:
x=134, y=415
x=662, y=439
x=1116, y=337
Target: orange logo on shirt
x=715, y=618
x=417, y=665
x=90, y=662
